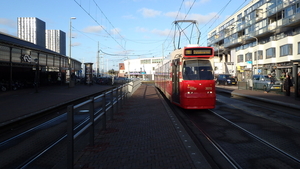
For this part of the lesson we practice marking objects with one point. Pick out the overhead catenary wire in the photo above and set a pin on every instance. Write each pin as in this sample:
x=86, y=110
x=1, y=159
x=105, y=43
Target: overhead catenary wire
x=111, y=54
x=95, y=20
x=173, y=26
x=108, y=19
x=216, y=17
x=166, y=45
x=189, y=9
x=87, y=9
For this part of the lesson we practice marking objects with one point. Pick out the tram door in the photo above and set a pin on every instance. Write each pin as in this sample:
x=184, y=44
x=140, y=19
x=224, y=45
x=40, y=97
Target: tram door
x=175, y=81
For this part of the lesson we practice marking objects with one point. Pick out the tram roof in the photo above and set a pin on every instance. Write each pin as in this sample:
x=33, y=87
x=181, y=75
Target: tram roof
x=192, y=21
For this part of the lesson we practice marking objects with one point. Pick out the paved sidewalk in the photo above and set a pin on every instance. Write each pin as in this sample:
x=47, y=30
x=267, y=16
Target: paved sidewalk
x=272, y=97
x=144, y=134
x=22, y=103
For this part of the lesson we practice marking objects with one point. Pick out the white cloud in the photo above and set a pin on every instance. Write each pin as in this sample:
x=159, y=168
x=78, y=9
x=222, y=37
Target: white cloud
x=175, y=14
x=149, y=13
x=115, y=31
x=204, y=1
x=7, y=22
x=201, y=19
x=4, y=30
x=129, y=17
x=93, y=29
x=76, y=44
x=165, y=32
x=189, y=3
x=141, y=29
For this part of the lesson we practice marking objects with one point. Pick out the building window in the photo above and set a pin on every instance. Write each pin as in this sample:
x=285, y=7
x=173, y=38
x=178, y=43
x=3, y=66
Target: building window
x=240, y=58
x=289, y=11
x=239, y=16
x=146, y=61
x=298, y=47
x=270, y=53
x=248, y=57
x=298, y=8
x=156, y=60
x=286, y=50
x=4, y=53
x=260, y=55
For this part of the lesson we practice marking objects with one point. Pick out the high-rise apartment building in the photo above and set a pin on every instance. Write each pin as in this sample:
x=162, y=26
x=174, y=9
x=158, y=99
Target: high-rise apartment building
x=32, y=29
x=56, y=41
x=261, y=38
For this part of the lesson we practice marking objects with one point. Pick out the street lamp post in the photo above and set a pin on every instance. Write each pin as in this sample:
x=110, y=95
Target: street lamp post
x=256, y=59
x=256, y=51
x=70, y=46
x=256, y=54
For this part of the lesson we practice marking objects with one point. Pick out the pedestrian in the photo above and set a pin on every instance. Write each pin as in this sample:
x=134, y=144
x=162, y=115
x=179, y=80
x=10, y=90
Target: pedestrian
x=287, y=84
x=272, y=82
x=59, y=80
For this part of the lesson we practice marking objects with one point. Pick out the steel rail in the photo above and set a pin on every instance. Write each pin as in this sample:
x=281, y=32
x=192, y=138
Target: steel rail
x=258, y=138
x=219, y=148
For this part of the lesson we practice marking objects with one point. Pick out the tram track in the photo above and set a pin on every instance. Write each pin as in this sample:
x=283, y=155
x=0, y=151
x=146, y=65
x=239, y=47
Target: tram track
x=259, y=139
x=241, y=147
x=214, y=156
x=244, y=134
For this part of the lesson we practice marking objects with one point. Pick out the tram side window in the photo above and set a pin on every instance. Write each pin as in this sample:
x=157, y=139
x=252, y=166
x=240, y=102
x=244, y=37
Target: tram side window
x=197, y=70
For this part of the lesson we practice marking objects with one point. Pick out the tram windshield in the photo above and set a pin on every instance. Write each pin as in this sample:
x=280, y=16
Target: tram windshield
x=197, y=70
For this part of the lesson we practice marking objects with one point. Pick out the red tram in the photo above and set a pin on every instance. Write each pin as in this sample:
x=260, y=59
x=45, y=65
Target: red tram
x=187, y=80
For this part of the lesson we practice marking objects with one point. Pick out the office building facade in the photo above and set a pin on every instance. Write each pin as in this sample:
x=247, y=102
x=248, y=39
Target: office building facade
x=56, y=41
x=261, y=38
x=32, y=29
x=140, y=68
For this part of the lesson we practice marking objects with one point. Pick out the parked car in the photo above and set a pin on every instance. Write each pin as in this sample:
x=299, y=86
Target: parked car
x=103, y=80
x=121, y=80
x=226, y=79
x=262, y=82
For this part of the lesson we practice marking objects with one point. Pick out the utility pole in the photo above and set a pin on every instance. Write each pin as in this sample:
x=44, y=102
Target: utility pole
x=70, y=49
x=98, y=51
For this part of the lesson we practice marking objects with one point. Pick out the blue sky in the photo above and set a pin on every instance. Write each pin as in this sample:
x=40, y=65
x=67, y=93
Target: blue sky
x=123, y=28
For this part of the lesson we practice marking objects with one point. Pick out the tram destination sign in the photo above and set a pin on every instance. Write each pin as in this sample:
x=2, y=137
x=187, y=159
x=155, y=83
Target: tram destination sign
x=198, y=51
